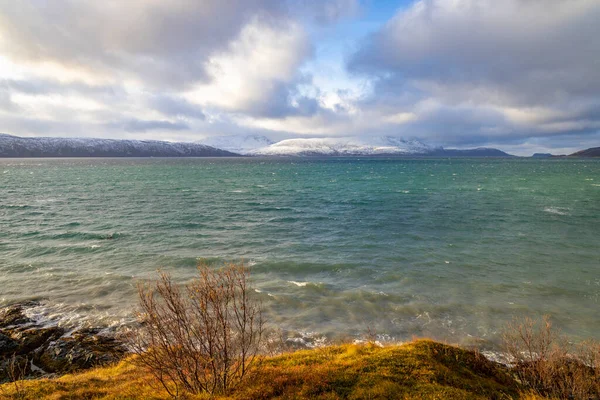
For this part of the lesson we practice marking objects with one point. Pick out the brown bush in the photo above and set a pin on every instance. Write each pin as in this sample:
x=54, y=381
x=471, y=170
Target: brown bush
x=202, y=337
x=547, y=364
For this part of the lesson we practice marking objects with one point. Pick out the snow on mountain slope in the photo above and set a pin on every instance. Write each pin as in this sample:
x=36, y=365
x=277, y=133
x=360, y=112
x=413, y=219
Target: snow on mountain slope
x=344, y=146
x=243, y=144
x=14, y=146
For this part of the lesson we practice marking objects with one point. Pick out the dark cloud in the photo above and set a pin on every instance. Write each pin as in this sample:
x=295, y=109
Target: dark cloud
x=138, y=125
x=487, y=70
x=284, y=100
x=536, y=50
x=173, y=106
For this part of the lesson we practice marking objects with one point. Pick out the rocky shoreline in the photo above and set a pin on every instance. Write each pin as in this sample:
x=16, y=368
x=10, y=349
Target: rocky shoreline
x=33, y=350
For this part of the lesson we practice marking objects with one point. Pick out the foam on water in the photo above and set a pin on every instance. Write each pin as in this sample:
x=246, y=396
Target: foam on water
x=73, y=317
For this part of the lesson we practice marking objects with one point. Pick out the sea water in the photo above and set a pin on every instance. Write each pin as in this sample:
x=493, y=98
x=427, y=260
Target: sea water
x=339, y=247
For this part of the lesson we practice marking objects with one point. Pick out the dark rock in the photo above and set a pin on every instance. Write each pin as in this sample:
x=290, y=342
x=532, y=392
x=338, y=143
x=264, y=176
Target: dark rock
x=13, y=315
x=30, y=349
x=8, y=346
x=84, y=349
x=33, y=338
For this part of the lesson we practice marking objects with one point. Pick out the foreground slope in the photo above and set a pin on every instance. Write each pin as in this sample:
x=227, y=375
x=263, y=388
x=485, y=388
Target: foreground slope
x=14, y=146
x=419, y=370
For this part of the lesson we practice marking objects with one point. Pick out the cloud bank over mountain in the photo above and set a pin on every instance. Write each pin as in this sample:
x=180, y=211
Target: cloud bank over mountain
x=521, y=75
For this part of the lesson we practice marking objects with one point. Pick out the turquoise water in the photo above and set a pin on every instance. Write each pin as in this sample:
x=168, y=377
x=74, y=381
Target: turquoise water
x=447, y=248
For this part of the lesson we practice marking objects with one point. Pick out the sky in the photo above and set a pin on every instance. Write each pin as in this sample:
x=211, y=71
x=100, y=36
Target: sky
x=519, y=75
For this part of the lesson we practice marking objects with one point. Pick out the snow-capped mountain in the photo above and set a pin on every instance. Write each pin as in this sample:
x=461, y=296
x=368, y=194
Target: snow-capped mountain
x=244, y=144
x=344, y=147
x=14, y=146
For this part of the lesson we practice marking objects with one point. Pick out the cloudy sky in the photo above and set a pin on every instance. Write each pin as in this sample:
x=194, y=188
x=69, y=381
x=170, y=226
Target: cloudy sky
x=519, y=75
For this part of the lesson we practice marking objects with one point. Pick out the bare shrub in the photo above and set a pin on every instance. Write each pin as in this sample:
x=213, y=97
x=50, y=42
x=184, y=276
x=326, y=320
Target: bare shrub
x=547, y=364
x=202, y=337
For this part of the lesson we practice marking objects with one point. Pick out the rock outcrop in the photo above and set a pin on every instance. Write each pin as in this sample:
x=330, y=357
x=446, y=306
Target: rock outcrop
x=27, y=348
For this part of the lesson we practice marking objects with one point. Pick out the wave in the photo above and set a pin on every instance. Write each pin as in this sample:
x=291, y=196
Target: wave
x=12, y=206
x=75, y=316
x=557, y=210
x=87, y=236
x=300, y=284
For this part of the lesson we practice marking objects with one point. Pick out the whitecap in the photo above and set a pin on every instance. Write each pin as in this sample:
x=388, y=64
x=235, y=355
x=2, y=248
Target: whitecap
x=501, y=358
x=309, y=340
x=365, y=341
x=301, y=284
x=557, y=210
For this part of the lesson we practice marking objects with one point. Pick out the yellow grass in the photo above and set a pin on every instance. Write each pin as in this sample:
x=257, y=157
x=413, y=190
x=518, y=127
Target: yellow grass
x=422, y=369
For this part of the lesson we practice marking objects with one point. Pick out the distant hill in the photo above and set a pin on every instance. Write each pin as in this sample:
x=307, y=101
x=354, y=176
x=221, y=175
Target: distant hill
x=478, y=152
x=14, y=146
x=591, y=152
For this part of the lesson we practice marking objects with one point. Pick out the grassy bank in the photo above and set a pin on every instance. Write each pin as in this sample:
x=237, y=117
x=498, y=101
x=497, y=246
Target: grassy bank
x=422, y=369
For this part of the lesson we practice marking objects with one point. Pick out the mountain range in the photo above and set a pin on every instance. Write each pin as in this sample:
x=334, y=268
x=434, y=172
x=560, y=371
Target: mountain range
x=247, y=145
x=256, y=145
x=14, y=146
